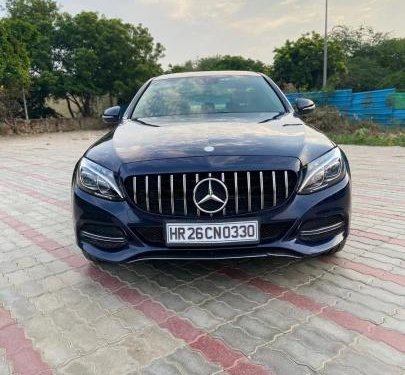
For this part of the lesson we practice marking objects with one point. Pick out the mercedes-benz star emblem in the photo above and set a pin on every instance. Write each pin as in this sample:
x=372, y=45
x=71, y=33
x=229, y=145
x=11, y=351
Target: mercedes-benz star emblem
x=210, y=195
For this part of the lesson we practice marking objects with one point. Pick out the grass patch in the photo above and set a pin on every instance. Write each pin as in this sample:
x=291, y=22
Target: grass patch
x=346, y=131
x=364, y=137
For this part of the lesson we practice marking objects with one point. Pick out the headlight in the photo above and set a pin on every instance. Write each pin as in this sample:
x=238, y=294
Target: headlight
x=325, y=171
x=97, y=180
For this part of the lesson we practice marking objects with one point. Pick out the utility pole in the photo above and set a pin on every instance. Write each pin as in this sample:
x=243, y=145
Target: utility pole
x=25, y=105
x=325, y=49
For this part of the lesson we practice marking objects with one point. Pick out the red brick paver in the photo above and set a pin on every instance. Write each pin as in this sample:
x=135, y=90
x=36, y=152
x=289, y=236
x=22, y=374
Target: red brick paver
x=59, y=314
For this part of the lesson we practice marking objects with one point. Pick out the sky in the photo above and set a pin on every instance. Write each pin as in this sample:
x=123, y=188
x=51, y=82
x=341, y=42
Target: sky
x=252, y=28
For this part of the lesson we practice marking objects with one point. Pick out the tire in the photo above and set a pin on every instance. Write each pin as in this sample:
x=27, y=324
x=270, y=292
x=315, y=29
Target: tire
x=91, y=258
x=337, y=248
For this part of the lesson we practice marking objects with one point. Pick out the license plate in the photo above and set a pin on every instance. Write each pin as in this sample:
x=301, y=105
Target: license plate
x=221, y=233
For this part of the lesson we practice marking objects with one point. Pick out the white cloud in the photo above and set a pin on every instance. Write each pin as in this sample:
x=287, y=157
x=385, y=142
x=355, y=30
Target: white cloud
x=251, y=28
x=194, y=10
x=260, y=25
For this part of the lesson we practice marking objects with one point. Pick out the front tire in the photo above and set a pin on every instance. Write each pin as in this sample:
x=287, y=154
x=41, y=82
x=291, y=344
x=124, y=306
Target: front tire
x=337, y=248
x=91, y=258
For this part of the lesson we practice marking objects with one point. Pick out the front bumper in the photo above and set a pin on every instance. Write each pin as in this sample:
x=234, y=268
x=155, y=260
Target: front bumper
x=304, y=228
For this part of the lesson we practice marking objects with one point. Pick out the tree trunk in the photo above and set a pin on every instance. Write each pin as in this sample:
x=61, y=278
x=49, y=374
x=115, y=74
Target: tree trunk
x=25, y=105
x=69, y=105
x=87, y=110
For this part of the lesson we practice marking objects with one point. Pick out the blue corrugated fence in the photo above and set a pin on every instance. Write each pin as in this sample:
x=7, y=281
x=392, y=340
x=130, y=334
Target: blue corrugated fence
x=386, y=107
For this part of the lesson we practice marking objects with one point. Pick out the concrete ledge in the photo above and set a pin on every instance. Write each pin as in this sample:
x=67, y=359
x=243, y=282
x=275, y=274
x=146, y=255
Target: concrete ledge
x=50, y=125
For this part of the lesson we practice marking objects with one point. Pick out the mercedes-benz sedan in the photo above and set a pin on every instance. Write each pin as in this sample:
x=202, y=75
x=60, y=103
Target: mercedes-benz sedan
x=211, y=165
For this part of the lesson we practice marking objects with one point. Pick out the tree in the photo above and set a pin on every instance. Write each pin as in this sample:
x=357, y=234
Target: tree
x=39, y=17
x=14, y=67
x=357, y=40
x=219, y=62
x=300, y=62
x=374, y=59
x=96, y=56
x=14, y=57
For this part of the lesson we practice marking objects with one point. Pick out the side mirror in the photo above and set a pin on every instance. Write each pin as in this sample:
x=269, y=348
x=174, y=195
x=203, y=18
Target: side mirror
x=112, y=115
x=304, y=105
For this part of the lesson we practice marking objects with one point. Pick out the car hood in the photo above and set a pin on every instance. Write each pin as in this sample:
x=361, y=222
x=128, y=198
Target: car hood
x=160, y=138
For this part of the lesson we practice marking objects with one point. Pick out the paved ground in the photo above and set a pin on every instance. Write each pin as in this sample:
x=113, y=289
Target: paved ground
x=61, y=315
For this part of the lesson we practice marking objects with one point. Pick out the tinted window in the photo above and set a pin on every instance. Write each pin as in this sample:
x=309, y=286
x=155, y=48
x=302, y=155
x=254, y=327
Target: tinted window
x=209, y=94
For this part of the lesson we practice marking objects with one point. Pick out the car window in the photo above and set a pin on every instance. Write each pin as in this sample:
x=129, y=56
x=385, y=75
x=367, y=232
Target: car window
x=205, y=95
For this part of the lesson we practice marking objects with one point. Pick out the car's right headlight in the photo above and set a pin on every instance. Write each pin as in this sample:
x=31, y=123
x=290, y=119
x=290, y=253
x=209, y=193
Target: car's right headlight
x=322, y=172
x=98, y=180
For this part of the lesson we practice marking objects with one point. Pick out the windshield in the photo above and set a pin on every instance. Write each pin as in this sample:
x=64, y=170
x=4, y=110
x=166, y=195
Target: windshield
x=207, y=94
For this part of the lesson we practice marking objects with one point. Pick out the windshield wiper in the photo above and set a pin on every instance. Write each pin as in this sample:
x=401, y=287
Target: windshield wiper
x=144, y=123
x=278, y=115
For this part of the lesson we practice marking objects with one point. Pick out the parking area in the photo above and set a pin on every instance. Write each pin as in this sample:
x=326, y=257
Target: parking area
x=343, y=314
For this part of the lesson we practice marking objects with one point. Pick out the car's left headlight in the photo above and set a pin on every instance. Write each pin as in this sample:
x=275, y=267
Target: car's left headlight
x=98, y=180
x=325, y=171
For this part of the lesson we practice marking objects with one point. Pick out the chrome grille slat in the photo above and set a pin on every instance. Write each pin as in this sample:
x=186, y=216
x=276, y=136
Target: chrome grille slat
x=184, y=195
x=249, y=191
x=261, y=191
x=171, y=194
x=286, y=184
x=197, y=179
x=135, y=190
x=223, y=180
x=147, y=193
x=236, y=193
x=160, y=193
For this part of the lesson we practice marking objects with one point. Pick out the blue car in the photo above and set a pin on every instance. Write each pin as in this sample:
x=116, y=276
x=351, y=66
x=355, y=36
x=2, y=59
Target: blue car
x=206, y=165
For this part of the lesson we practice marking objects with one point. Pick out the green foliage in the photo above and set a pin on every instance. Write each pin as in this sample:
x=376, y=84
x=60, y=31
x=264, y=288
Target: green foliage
x=355, y=41
x=99, y=56
x=86, y=56
x=358, y=58
x=14, y=57
x=366, y=137
x=300, y=62
x=77, y=58
x=343, y=130
x=219, y=62
x=374, y=60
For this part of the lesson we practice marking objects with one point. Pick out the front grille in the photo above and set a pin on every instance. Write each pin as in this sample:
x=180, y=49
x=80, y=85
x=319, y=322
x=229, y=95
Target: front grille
x=248, y=191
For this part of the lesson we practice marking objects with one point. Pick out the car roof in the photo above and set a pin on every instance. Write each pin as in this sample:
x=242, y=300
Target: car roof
x=207, y=74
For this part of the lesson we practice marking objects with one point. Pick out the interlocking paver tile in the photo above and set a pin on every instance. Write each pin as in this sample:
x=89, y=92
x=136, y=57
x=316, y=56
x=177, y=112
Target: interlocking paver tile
x=68, y=320
x=356, y=363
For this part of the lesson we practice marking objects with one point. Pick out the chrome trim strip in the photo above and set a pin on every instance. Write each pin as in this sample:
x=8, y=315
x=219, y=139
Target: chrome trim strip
x=103, y=238
x=274, y=188
x=264, y=255
x=321, y=230
x=147, y=193
x=210, y=176
x=171, y=194
x=160, y=193
x=235, y=177
x=197, y=179
x=134, y=185
x=261, y=191
x=249, y=191
x=286, y=183
x=185, y=194
x=223, y=180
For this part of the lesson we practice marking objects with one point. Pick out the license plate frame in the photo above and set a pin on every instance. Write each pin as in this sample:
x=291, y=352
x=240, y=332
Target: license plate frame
x=207, y=242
